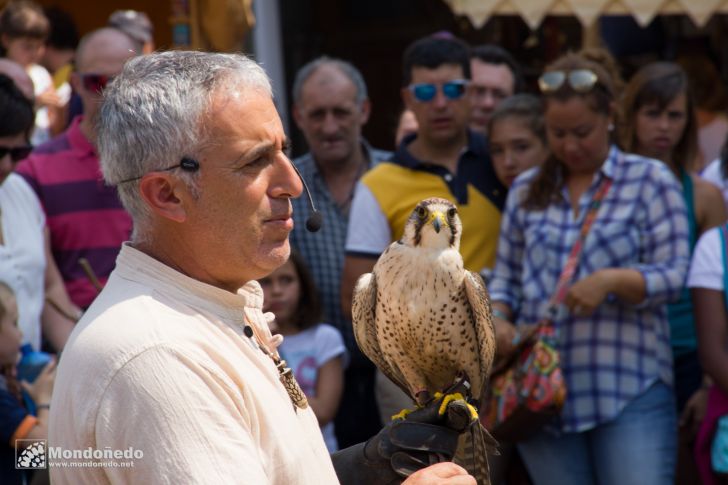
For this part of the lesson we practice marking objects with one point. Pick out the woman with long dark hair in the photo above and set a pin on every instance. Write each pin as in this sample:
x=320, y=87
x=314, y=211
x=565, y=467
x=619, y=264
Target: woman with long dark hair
x=659, y=122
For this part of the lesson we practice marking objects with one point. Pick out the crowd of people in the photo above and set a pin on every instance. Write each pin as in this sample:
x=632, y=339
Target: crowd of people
x=146, y=208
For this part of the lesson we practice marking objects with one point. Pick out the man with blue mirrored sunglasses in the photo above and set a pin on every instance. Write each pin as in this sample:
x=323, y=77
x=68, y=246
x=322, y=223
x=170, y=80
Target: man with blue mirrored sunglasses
x=452, y=90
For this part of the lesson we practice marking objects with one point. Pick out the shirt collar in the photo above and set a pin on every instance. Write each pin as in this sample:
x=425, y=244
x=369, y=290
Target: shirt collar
x=135, y=265
x=609, y=167
x=477, y=145
x=366, y=147
x=77, y=139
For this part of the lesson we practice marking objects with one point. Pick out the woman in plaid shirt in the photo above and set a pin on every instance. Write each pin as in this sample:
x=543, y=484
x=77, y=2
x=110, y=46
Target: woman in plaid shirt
x=618, y=423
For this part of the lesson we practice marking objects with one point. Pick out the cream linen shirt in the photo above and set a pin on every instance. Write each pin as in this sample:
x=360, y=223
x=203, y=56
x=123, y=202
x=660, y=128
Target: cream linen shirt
x=160, y=363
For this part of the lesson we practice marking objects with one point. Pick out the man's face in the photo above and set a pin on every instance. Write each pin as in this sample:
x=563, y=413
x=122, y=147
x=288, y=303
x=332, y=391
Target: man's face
x=492, y=83
x=241, y=219
x=329, y=116
x=444, y=118
x=100, y=64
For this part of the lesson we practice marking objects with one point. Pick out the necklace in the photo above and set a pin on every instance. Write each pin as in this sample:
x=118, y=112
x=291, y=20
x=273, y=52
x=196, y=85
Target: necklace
x=285, y=374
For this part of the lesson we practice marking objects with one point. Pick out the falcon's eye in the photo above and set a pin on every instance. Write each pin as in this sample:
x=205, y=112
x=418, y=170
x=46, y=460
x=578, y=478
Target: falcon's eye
x=421, y=212
x=451, y=212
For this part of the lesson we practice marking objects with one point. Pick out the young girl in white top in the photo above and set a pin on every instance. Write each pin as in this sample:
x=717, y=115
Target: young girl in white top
x=314, y=351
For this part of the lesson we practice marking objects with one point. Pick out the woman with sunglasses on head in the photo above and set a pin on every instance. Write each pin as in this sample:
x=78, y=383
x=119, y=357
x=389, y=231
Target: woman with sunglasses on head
x=660, y=123
x=618, y=221
x=26, y=263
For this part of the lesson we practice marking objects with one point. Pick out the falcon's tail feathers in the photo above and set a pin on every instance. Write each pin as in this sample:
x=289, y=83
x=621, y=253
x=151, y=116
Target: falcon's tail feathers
x=472, y=452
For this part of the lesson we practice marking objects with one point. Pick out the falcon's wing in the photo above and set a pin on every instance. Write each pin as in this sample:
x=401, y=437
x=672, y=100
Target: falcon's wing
x=477, y=296
x=364, y=314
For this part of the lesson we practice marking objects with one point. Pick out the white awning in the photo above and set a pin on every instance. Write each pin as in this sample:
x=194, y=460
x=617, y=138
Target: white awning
x=587, y=11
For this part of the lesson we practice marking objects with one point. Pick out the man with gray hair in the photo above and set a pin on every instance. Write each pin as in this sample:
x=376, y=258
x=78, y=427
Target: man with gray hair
x=173, y=367
x=331, y=106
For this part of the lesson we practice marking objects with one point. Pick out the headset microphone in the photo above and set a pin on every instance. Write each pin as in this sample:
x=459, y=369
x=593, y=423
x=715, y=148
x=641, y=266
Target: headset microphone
x=315, y=220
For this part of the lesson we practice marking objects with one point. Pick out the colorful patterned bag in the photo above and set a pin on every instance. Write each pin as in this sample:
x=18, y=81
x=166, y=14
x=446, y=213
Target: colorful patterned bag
x=528, y=389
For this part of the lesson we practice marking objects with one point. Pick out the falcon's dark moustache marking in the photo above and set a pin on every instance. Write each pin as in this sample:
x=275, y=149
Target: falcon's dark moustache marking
x=419, y=222
x=451, y=213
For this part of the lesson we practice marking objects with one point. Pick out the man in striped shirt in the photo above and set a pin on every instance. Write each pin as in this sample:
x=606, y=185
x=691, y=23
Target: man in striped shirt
x=84, y=216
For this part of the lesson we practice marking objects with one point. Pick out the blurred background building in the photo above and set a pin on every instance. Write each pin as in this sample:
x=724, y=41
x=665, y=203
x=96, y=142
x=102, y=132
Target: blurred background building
x=284, y=34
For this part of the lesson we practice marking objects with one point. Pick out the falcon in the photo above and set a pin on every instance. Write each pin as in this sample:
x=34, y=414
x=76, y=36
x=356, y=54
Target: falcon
x=424, y=320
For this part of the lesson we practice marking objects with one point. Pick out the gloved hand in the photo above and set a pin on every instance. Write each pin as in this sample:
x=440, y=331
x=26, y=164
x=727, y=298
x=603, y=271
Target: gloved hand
x=426, y=436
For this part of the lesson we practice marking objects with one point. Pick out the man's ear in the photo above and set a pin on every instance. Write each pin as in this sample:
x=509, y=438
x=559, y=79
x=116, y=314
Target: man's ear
x=160, y=192
x=406, y=98
x=76, y=82
x=297, y=116
x=366, y=110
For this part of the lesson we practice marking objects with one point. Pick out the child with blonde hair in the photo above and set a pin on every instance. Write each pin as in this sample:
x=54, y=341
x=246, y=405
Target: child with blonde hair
x=15, y=421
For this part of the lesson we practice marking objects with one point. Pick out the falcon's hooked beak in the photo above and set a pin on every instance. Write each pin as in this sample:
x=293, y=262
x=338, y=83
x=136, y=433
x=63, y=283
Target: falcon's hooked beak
x=438, y=220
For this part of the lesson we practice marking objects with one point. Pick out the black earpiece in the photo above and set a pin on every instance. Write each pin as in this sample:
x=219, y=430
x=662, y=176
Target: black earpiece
x=186, y=163
x=189, y=164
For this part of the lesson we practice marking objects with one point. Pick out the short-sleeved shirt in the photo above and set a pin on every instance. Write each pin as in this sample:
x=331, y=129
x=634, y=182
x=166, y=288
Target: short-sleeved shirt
x=305, y=352
x=22, y=254
x=387, y=194
x=323, y=250
x=713, y=174
x=84, y=215
x=15, y=423
x=614, y=355
x=707, y=267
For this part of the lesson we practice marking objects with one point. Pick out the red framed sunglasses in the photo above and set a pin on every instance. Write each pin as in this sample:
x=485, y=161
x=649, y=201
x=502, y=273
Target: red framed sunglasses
x=95, y=83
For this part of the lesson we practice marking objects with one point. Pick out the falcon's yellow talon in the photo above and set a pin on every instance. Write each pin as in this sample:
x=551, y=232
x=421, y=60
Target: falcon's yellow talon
x=401, y=415
x=473, y=412
x=447, y=400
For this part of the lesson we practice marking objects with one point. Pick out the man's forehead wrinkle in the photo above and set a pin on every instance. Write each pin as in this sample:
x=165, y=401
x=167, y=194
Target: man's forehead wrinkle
x=322, y=81
x=221, y=100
